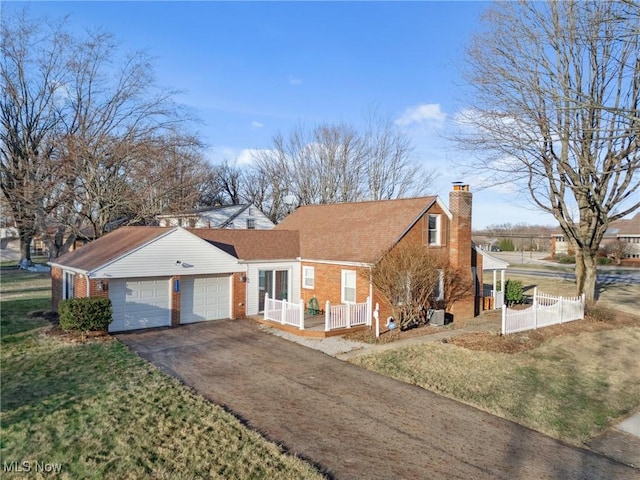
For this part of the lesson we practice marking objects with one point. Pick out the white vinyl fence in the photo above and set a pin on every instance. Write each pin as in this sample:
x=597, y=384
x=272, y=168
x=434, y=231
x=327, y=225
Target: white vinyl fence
x=546, y=310
x=286, y=313
x=347, y=315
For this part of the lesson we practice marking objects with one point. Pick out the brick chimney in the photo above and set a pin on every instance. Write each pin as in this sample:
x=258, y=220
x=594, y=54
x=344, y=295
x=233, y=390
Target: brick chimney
x=460, y=207
x=460, y=251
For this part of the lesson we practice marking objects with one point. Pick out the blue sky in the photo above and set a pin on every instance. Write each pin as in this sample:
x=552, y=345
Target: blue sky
x=251, y=69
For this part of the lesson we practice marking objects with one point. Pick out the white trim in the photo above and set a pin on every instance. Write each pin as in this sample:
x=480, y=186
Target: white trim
x=438, y=230
x=344, y=275
x=280, y=260
x=71, y=269
x=338, y=262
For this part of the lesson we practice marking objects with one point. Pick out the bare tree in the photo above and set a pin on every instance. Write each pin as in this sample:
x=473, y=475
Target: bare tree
x=617, y=250
x=557, y=91
x=412, y=280
x=89, y=140
x=32, y=71
x=335, y=163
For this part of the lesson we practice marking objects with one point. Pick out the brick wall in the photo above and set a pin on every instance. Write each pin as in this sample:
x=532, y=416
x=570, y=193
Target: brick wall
x=239, y=296
x=328, y=283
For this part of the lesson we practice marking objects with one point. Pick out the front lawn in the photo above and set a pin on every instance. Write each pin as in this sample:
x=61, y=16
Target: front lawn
x=96, y=410
x=570, y=387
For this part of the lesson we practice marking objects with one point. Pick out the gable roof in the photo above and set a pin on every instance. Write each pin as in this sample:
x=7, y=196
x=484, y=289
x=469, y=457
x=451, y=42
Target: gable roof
x=253, y=244
x=242, y=244
x=354, y=232
x=109, y=247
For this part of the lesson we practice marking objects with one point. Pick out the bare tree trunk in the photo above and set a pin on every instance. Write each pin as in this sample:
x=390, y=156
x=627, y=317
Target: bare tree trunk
x=25, y=249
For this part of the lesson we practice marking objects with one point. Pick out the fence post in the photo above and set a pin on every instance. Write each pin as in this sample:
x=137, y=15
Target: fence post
x=327, y=316
x=283, y=311
x=265, y=312
x=301, y=314
x=504, y=319
x=349, y=307
x=561, y=309
x=583, y=297
x=535, y=308
x=369, y=313
x=376, y=316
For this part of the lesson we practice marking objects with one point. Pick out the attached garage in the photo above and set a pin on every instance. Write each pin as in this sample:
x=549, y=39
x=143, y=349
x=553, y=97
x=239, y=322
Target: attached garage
x=205, y=298
x=140, y=303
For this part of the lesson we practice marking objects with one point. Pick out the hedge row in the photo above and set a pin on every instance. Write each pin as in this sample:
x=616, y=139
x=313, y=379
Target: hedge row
x=85, y=314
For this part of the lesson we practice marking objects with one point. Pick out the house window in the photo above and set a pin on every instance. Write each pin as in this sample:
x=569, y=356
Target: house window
x=432, y=233
x=69, y=286
x=348, y=286
x=251, y=211
x=192, y=222
x=308, y=277
x=251, y=223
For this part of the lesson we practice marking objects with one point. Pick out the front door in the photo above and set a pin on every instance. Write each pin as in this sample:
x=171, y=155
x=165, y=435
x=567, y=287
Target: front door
x=273, y=282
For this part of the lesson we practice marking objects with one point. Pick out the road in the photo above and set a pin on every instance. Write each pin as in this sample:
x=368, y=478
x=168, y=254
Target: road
x=607, y=275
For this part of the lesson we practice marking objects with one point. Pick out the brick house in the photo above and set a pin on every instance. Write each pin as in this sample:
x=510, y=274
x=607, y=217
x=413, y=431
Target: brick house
x=340, y=242
x=165, y=276
x=626, y=231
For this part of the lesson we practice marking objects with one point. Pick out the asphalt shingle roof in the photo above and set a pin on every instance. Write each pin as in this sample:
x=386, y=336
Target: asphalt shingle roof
x=355, y=232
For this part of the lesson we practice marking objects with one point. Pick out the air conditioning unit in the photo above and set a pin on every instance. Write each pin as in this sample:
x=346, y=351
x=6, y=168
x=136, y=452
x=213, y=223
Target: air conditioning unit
x=437, y=318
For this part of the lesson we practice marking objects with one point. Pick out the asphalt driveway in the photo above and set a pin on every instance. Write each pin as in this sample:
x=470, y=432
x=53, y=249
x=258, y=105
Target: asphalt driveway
x=353, y=423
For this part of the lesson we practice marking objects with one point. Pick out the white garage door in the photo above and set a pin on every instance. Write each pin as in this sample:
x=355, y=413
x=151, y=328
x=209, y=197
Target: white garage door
x=205, y=298
x=140, y=303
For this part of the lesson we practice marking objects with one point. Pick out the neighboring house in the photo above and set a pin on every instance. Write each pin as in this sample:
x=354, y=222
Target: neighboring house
x=165, y=276
x=245, y=216
x=626, y=231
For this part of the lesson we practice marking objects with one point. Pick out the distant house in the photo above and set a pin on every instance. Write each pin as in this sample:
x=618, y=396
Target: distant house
x=625, y=231
x=166, y=276
x=243, y=216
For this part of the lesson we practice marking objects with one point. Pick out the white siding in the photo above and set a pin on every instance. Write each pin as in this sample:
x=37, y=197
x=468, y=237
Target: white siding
x=252, y=281
x=161, y=257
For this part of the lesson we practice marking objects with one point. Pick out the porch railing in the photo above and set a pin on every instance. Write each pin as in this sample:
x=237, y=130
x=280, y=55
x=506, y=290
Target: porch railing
x=284, y=312
x=347, y=315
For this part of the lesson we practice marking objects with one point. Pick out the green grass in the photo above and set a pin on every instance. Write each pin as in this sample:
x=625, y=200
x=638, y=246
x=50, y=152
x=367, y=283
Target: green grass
x=570, y=388
x=100, y=411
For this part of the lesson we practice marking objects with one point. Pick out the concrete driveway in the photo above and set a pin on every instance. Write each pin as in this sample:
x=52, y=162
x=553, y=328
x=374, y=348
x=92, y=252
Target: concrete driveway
x=353, y=423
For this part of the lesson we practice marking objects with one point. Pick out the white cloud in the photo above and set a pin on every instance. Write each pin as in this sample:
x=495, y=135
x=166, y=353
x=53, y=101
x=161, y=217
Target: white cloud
x=248, y=155
x=428, y=112
x=256, y=124
x=295, y=81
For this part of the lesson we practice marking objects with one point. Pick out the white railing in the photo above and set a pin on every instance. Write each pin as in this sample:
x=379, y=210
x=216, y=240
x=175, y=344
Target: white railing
x=287, y=313
x=347, y=315
x=546, y=310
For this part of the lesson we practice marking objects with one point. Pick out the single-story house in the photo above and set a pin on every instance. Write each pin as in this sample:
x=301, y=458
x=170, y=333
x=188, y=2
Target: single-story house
x=166, y=276
x=242, y=216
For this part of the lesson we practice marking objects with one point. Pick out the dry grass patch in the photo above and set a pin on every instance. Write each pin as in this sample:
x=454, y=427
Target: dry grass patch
x=570, y=387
